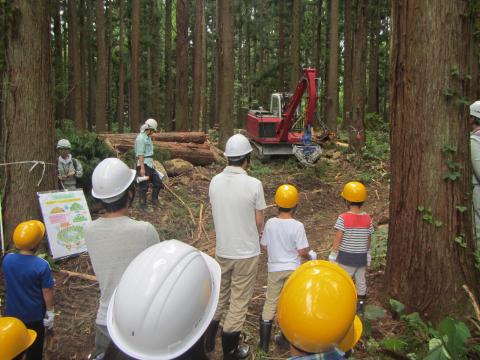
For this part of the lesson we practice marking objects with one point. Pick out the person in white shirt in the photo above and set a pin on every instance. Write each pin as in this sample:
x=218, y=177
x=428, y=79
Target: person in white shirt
x=237, y=205
x=285, y=241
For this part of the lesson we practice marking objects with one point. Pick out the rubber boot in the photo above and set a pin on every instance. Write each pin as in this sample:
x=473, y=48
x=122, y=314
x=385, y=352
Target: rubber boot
x=361, y=304
x=210, y=335
x=231, y=349
x=265, y=331
x=282, y=342
x=155, y=201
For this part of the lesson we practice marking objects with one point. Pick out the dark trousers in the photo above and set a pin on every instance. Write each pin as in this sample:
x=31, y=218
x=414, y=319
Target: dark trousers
x=143, y=186
x=35, y=351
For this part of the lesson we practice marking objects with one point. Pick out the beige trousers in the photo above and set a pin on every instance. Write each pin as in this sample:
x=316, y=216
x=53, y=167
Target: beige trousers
x=358, y=273
x=236, y=290
x=274, y=288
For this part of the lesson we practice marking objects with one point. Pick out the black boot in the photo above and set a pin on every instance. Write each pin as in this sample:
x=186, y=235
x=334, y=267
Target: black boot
x=231, y=349
x=265, y=331
x=155, y=193
x=210, y=335
x=282, y=342
x=361, y=304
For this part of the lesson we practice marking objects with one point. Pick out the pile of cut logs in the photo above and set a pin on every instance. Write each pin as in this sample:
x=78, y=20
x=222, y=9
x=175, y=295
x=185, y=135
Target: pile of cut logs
x=190, y=146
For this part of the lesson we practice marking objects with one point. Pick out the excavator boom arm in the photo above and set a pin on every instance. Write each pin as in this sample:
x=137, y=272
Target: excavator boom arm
x=307, y=82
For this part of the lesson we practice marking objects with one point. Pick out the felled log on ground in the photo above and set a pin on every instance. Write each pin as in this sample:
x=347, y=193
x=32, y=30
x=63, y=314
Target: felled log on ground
x=197, y=154
x=196, y=137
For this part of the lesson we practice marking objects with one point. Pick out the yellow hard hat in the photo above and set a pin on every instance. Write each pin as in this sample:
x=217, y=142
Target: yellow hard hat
x=286, y=196
x=28, y=234
x=354, y=191
x=14, y=337
x=316, y=309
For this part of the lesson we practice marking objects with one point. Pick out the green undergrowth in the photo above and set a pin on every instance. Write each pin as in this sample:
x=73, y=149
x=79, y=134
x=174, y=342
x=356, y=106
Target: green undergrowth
x=450, y=339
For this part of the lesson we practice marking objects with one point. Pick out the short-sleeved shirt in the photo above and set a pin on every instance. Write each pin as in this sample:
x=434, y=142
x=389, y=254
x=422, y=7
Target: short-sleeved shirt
x=356, y=228
x=235, y=196
x=25, y=277
x=112, y=243
x=283, y=238
x=475, y=154
x=144, y=147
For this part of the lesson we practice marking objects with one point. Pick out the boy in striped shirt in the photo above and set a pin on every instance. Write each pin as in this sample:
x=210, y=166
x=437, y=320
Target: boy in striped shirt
x=351, y=247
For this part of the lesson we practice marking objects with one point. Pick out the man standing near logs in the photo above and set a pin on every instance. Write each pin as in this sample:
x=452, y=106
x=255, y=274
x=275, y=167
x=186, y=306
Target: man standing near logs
x=237, y=205
x=146, y=172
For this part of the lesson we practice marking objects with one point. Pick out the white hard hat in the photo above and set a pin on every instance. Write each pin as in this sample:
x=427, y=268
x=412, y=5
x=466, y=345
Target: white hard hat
x=237, y=146
x=164, y=301
x=475, y=109
x=152, y=124
x=110, y=179
x=64, y=144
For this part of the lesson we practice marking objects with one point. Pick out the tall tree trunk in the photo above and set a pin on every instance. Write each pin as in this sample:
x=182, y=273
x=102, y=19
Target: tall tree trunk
x=135, y=120
x=109, y=46
x=155, y=63
x=430, y=246
x=318, y=36
x=75, y=67
x=168, y=66
x=102, y=70
x=359, y=69
x=84, y=57
x=121, y=69
x=226, y=66
x=91, y=66
x=295, y=47
x=28, y=111
x=349, y=21
x=331, y=108
x=375, y=19
x=199, y=60
x=181, y=93
x=58, y=63
x=281, y=45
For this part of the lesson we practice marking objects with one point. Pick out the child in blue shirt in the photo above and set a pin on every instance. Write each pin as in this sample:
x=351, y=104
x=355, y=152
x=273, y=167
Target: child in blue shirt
x=29, y=284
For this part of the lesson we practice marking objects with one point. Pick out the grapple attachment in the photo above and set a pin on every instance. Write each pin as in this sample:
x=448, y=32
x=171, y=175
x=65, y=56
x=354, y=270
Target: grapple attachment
x=309, y=154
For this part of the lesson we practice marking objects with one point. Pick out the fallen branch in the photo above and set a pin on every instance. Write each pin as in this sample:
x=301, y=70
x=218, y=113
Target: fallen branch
x=80, y=275
x=182, y=202
x=473, y=301
x=199, y=227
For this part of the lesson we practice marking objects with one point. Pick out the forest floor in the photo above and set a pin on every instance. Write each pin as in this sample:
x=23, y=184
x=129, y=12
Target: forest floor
x=77, y=299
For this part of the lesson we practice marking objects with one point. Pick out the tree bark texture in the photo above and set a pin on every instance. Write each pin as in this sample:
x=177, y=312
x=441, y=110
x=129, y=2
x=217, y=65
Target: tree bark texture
x=331, y=105
x=226, y=68
x=426, y=267
x=135, y=120
x=102, y=70
x=181, y=96
x=199, y=67
x=168, y=66
x=58, y=63
x=372, y=104
x=75, y=83
x=318, y=37
x=91, y=66
x=196, y=137
x=359, y=69
x=155, y=57
x=281, y=45
x=29, y=122
x=295, y=44
x=348, y=63
x=121, y=70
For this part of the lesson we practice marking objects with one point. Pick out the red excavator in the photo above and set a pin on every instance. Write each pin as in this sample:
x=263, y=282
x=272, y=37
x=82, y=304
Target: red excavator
x=286, y=129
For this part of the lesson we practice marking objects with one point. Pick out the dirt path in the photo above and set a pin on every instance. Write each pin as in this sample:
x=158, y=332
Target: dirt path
x=77, y=299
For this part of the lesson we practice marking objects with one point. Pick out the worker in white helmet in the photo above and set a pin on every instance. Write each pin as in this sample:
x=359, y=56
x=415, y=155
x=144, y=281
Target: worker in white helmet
x=174, y=289
x=69, y=169
x=145, y=167
x=114, y=239
x=474, y=122
x=237, y=205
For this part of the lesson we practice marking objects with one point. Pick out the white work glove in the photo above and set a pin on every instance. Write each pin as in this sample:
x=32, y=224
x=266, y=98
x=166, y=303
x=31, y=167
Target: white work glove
x=369, y=258
x=48, y=320
x=332, y=257
x=312, y=255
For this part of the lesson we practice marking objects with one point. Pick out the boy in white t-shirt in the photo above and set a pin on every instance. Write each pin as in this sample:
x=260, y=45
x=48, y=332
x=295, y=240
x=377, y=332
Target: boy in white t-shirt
x=285, y=241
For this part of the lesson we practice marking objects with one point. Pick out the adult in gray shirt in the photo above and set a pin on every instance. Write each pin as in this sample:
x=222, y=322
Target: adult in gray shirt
x=114, y=239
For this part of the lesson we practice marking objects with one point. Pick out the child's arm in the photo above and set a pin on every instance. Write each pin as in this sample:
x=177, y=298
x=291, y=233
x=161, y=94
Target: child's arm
x=48, y=297
x=304, y=253
x=337, y=241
